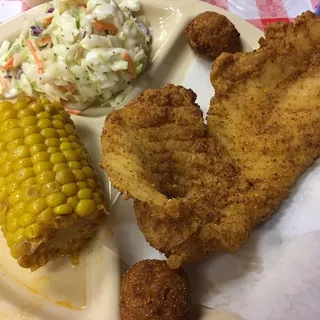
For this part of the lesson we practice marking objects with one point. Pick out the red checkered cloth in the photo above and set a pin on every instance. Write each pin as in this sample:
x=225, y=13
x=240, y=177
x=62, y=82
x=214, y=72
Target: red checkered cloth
x=258, y=12
x=262, y=12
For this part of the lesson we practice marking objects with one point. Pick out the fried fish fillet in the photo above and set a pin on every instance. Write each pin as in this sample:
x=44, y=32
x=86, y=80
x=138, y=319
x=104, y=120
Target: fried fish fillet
x=201, y=188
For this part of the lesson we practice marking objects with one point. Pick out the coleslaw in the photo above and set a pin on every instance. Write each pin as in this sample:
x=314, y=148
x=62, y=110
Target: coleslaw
x=80, y=51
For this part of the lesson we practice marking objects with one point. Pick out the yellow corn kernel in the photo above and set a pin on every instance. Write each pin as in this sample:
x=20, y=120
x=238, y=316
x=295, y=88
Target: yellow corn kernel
x=65, y=176
x=26, y=220
x=79, y=175
x=27, y=120
x=37, y=206
x=21, y=104
x=19, y=209
x=9, y=124
x=36, y=107
x=24, y=174
x=56, y=199
x=97, y=198
x=82, y=184
x=6, y=169
x=27, y=131
x=32, y=231
x=85, y=193
x=40, y=157
x=82, y=154
x=53, y=150
x=73, y=201
x=3, y=157
x=75, y=146
x=57, y=158
x=33, y=139
x=57, y=105
x=31, y=193
x=62, y=133
x=4, y=229
x=89, y=172
x=44, y=115
x=3, y=209
x=42, y=167
x=13, y=144
x=9, y=238
x=58, y=117
x=84, y=163
x=2, y=146
x=65, y=146
x=49, y=133
x=19, y=152
x=45, y=101
x=91, y=184
x=60, y=167
x=51, y=187
x=8, y=114
x=10, y=214
x=39, y=147
x=12, y=134
x=64, y=139
x=22, y=163
x=45, y=217
x=51, y=109
x=45, y=123
x=65, y=208
x=65, y=115
x=71, y=155
x=13, y=225
x=58, y=124
x=12, y=186
x=86, y=207
x=45, y=177
x=70, y=189
x=52, y=142
x=5, y=105
x=28, y=182
x=74, y=165
x=73, y=138
x=70, y=129
x=19, y=236
x=15, y=197
x=18, y=249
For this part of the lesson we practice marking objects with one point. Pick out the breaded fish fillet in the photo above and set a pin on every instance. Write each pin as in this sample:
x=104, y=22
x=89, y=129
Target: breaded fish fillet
x=201, y=188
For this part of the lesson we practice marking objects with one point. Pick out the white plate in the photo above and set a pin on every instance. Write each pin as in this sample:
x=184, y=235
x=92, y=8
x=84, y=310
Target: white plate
x=91, y=289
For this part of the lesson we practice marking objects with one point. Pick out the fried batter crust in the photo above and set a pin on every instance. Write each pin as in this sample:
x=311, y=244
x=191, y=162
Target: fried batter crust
x=150, y=290
x=210, y=33
x=201, y=188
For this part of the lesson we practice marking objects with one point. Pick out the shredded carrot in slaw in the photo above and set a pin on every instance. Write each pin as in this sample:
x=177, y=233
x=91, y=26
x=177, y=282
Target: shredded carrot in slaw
x=8, y=65
x=3, y=83
x=101, y=26
x=44, y=41
x=47, y=21
x=37, y=60
x=131, y=68
x=73, y=111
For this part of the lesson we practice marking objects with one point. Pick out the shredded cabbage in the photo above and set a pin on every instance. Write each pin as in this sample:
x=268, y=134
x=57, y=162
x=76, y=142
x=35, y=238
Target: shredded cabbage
x=79, y=52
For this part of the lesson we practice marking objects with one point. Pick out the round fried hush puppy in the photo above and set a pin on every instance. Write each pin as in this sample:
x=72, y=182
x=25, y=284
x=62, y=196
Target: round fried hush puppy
x=210, y=33
x=150, y=290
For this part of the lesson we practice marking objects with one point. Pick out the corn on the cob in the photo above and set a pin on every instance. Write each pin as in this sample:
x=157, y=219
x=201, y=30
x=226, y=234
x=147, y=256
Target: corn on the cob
x=51, y=202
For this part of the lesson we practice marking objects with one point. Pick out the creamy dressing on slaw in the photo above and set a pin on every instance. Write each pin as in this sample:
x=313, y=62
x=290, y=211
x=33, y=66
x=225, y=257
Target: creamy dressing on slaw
x=80, y=52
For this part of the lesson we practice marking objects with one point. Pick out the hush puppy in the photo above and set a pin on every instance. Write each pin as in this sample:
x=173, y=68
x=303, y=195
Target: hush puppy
x=150, y=290
x=210, y=33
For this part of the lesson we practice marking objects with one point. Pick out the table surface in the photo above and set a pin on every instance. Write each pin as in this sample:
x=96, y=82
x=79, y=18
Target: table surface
x=257, y=12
